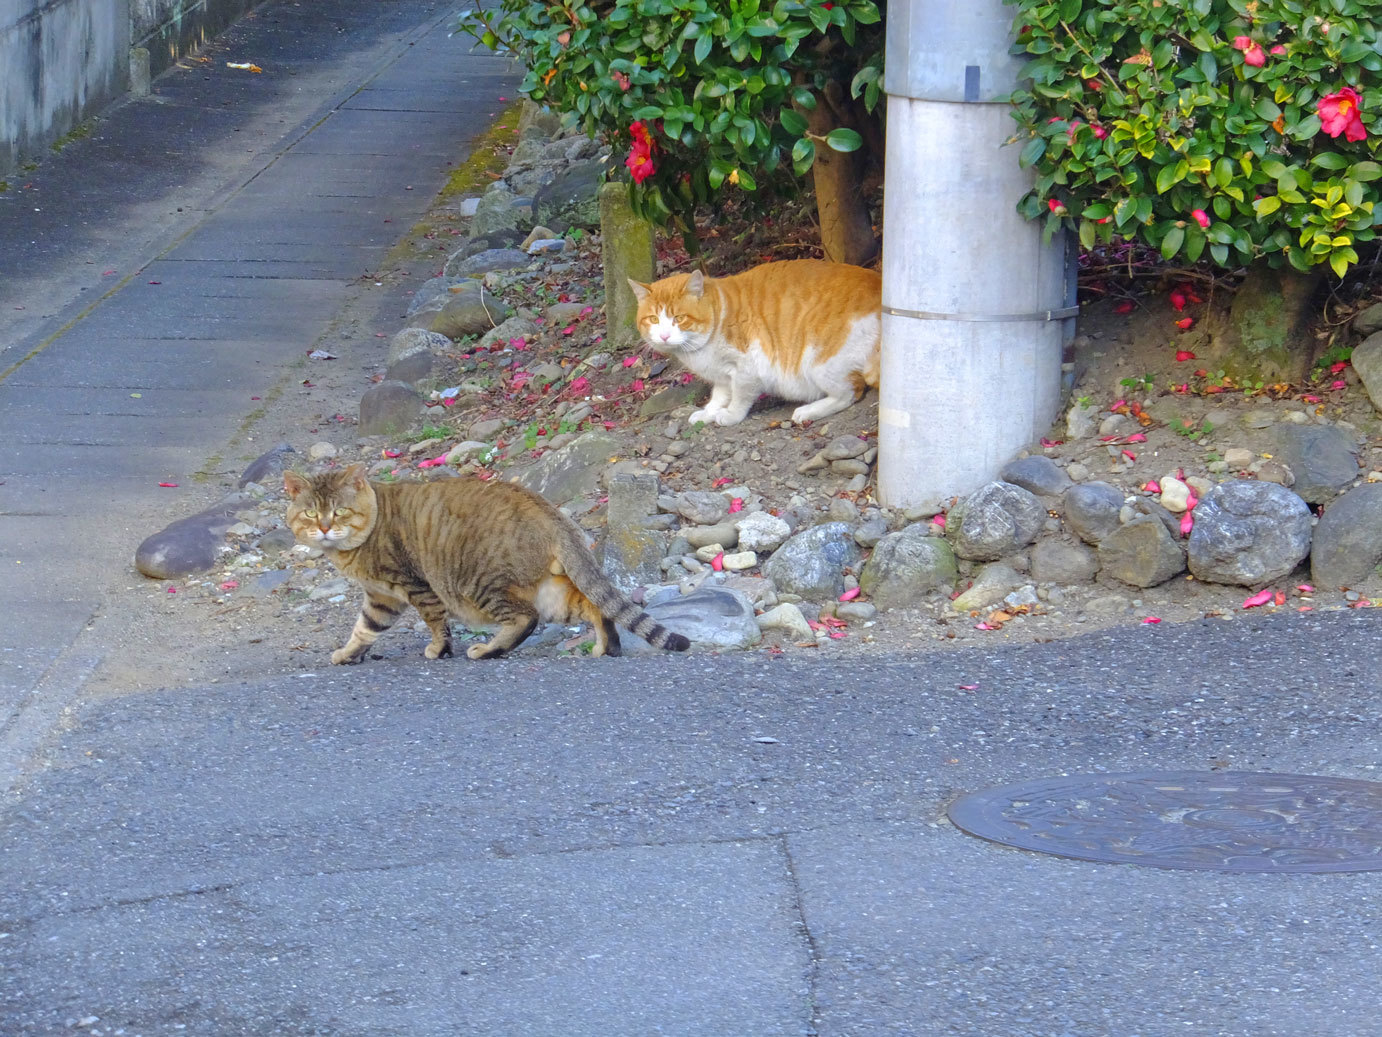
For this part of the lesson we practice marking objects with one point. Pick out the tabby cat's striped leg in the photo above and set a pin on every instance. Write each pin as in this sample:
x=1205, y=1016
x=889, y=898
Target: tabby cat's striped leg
x=434, y=613
x=377, y=614
x=517, y=620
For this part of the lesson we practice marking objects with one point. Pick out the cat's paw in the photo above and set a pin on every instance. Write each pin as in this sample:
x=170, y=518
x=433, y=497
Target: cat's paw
x=708, y=415
x=442, y=651
x=724, y=417
x=480, y=651
x=346, y=656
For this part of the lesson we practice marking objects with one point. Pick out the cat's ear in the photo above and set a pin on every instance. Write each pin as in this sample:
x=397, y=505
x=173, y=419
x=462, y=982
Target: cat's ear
x=293, y=484
x=695, y=285
x=355, y=476
x=640, y=291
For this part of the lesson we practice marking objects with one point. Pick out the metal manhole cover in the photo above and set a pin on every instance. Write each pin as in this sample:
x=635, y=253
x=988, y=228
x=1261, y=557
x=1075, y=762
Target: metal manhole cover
x=1232, y=821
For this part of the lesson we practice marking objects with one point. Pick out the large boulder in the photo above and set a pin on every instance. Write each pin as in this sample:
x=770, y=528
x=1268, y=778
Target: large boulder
x=497, y=211
x=994, y=521
x=1249, y=533
x=1037, y=474
x=1347, y=545
x=811, y=564
x=710, y=617
x=1367, y=358
x=389, y=408
x=189, y=545
x=907, y=568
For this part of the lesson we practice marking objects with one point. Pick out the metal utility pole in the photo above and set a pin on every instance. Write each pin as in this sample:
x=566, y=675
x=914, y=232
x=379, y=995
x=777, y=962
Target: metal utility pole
x=973, y=302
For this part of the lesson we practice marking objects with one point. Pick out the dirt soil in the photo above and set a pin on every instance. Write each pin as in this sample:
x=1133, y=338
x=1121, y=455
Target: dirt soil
x=271, y=610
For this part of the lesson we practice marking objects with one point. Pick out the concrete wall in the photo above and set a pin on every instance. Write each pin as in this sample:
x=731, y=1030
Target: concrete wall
x=168, y=29
x=61, y=61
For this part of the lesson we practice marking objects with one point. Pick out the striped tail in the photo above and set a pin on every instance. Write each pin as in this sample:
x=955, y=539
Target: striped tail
x=582, y=570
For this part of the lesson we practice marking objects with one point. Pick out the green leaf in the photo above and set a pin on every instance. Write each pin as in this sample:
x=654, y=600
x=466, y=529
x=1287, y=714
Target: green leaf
x=1031, y=151
x=1266, y=206
x=1087, y=233
x=1329, y=160
x=702, y=50
x=843, y=139
x=1171, y=243
x=1365, y=171
x=803, y=154
x=792, y=121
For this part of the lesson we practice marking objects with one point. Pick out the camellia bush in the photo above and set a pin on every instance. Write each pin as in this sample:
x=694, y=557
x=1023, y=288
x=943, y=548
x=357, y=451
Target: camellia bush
x=709, y=96
x=1242, y=131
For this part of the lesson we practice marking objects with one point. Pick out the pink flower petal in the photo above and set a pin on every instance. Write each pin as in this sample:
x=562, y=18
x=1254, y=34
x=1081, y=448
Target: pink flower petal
x=1051, y=442
x=938, y=520
x=581, y=384
x=1129, y=455
x=1260, y=598
x=567, y=330
x=968, y=687
x=1152, y=486
x=722, y=481
x=983, y=626
x=1305, y=588
x=1191, y=500
x=850, y=594
x=230, y=585
x=168, y=485
x=1152, y=619
x=1137, y=437
x=1338, y=383
x=172, y=590
x=391, y=453
x=1187, y=523
x=718, y=562
x=736, y=505
x=629, y=361
x=1310, y=399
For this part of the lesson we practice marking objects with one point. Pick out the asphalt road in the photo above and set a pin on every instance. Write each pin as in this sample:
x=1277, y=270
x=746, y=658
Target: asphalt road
x=604, y=847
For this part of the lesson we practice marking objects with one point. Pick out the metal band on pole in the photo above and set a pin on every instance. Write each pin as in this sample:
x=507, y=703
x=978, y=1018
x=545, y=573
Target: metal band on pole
x=1043, y=315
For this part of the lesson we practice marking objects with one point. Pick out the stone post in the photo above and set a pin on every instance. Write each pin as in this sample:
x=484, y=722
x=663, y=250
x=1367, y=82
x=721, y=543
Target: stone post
x=627, y=248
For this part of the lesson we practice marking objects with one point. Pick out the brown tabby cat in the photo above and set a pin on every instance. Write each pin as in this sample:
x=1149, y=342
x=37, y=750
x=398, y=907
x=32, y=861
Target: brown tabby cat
x=802, y=329
x=482, y=552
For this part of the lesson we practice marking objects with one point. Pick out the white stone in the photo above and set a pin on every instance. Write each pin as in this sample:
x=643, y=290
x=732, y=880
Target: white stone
x=786, y=617
x=1175, y=495
x=1237, y=457
x=740, y=560
x=760, y=531
x=321, y=451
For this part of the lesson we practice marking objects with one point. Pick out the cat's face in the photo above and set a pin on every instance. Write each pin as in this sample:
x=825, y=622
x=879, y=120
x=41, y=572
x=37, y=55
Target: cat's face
x=673, y=314
x=334, y=511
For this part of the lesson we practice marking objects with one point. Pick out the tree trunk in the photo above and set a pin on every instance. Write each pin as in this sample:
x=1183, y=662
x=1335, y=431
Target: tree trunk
x=846, y=231
x=1264, y=335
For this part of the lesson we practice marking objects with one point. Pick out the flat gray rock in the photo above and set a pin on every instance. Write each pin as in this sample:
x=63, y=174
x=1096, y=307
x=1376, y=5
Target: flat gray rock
x=1323, y=459
x=190, y=545
x=1037, y=474
x=269, y=466
x=1141, y=553
x=572, y=199
x=710, y=616
x=1367, y=360
x=564, y=474
x=1347, y=544
x=1056, y=560
x=1091, y=510
x=490, y=259
x=389, y=408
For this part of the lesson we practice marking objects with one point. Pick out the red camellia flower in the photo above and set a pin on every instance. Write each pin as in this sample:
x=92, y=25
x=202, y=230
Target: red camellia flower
x=640, y=160
x=1252, y=53
x=1185, y=324
x=1055, y=205
x=1277, y=51
x=1099, y=131
x=1339, y=114
x=1201, y=217
x=1177, y=299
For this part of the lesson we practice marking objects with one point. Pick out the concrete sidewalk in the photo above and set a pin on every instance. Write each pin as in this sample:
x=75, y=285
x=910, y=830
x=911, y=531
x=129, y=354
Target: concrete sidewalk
x=159, y=276
x=580, y=847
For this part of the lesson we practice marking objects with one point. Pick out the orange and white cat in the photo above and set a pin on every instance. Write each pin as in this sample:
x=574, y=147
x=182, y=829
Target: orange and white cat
x=802, y=329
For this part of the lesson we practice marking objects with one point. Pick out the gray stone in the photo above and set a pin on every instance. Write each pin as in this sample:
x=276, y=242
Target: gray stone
x=849, y=466
x=855, y=611
x=267, y=582
x=573, y=198
x=470, y=449
x=726, y=534
x=503, y=334
x=843, y=447
x=633, y=555
x=268, y=466
x=811, y=564
x=412, y=368
x=190, y=545
x=1037, y=474
x=1063, y=561
x=470, y=312
x=1347, y=545
x=562, y=475
x=993, y=521
x=760, y=591
x=1081, y=422
x=1091, y=510
x=628, y=249
x=871, y=531
x=1367, y=363
x=669, y=398
x=489, y=259
x=276, y=541
x=321, y=451
x=1249, y=533
x=412, y=341
x=842, y=509
x=762, y=532
x=992, y=584
x=430, y=291
x=908, y=568
x=388, y=409
x=1323, y=459
x=788, y=619
x=710, y=616
x=704, y=507
x=495, y=211
x=487, y=429
x=1141, y=553
x=1368, y=320
x=632, y=498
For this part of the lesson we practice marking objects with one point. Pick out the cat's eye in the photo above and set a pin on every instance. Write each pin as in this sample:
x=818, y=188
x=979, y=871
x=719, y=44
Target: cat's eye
x=341, y=512
x=310, y=513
